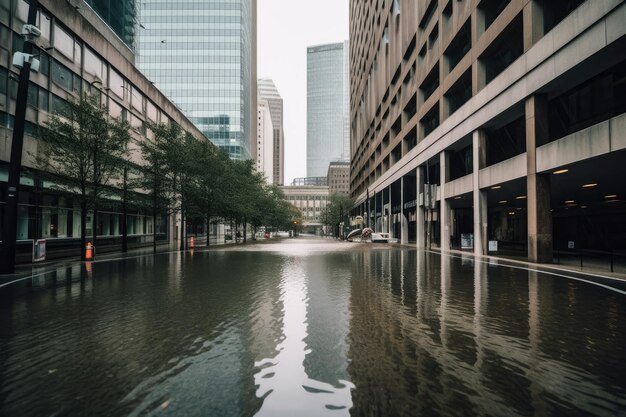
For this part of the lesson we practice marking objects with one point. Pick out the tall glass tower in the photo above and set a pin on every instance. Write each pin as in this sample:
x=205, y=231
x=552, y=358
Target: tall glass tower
x=327, y=107
x=202, y=55
x=120, y=16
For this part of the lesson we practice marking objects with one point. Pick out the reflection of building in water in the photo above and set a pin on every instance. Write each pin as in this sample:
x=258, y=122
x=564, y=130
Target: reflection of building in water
x=283, y=380
x=447, y=337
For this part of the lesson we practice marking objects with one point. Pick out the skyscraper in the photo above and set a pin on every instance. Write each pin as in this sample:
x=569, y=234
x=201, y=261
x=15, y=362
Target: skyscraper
x=265, y=141
x=202, y=55
x=269, y=92
x=120, y=16
x=327, y=107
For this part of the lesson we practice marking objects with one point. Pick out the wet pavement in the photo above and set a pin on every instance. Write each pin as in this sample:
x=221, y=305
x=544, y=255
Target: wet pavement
x=310, y=327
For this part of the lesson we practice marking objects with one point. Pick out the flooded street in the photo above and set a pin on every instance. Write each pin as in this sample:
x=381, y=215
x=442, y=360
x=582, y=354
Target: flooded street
x=310, y=328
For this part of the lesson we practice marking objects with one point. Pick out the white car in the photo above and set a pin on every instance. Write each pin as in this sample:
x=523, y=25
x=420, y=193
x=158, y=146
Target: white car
x=380, y=237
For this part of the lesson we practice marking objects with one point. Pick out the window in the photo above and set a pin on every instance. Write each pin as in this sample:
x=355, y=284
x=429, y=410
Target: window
x=63, y=42
x=61, y=76
x=116, y=84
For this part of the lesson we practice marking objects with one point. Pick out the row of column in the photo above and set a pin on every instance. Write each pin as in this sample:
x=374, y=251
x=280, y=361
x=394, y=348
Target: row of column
x=538, y=193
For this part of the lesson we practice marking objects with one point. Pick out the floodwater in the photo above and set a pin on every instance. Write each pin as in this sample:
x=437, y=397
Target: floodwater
x=310, y=328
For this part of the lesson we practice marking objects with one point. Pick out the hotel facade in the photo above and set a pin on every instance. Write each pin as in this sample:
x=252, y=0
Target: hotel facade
x=496, y=126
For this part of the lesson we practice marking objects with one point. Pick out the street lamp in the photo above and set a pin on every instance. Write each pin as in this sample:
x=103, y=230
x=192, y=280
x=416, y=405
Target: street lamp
x=26, y=60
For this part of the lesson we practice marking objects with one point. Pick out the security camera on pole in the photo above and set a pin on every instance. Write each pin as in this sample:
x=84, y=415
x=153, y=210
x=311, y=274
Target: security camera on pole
x=26, y=62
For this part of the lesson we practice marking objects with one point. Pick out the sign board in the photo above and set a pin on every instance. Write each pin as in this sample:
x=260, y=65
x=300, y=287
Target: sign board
x=39, y=250
x=570, y=244
x=493, y=246
x=467, y=241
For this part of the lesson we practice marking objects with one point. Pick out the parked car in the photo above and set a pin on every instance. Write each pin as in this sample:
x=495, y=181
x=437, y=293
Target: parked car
x=380, y=237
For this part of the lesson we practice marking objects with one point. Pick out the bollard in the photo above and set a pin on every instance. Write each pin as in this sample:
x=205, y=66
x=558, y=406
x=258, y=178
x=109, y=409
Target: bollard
x=89, y=251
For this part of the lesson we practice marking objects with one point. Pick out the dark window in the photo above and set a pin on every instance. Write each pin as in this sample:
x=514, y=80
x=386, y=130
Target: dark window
x=460, y=92
x=492, y=9
x=431, y=120
x=460, y=45
x=430, y=84
x=504, y=50
x=554, y=11
x=461, y=163
x=592, y=102
x=61, y=76
x=507, y=141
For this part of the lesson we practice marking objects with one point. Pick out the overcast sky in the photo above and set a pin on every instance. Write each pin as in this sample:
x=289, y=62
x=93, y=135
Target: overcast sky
x=285, y=29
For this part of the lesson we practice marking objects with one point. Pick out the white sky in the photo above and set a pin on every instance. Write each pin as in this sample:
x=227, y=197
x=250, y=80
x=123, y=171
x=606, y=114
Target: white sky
x=285, y=29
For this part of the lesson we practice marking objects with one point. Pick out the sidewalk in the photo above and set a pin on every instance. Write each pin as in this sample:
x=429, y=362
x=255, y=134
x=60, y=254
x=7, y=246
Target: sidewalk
x=28, y=270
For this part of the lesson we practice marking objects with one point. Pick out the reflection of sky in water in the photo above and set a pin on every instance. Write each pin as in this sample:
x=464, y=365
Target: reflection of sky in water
x=283, y=380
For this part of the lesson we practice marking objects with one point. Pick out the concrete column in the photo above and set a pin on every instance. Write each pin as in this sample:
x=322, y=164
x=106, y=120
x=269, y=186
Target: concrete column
x=444, y=206
x=533, y=23
x=404, y=232
x=478, y=69
x=479, y=197
x=390, y=215
x=420, y=227
x=538, y=185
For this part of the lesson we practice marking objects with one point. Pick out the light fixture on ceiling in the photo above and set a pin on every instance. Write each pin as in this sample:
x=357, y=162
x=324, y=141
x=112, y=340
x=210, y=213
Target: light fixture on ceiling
x=611, y=196
x=593, y=184
x=496, y=187
x=520, y=197
x=502, y=201
x=560, y=171
x=569, y=201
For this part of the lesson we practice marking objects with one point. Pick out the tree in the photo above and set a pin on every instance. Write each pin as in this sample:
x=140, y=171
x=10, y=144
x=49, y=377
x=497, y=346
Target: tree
x=83, y=148
x=338, y=208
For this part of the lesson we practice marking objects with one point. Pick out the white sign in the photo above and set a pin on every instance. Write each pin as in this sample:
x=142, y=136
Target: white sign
x=493, y=246
x=39, y=250
x=570, y=244
x=467, y=241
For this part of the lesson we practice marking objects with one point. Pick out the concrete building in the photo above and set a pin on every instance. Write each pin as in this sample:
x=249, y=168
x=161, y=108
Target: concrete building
x=310, y=181
x=328, y=136
x=202, y=55
x=80, y=53
x=265, y=141
x=311, y=200
x=339, y=177
x=269, y=92
x=493, y=125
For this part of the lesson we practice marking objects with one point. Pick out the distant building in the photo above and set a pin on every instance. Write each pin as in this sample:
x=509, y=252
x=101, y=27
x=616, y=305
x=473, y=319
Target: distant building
x=121, y=16
x=265, y=142
x=328, y=107
x=311, y=200
x=339, y=177
x=202, y=55
x=310, y=181
x=269, y=92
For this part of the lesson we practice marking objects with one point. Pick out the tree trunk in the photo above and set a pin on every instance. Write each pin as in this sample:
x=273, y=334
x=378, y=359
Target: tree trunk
x=94, y=225
x=245, y=231
x=208, y=230
x=183, y=238
x=154, y=217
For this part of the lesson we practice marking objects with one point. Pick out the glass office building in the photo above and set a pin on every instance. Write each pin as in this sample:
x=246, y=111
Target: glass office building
x=202, y=55
x=327, y=107
x=120, y=16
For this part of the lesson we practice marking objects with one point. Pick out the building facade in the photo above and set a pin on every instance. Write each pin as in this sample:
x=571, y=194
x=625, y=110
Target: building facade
x=339, y=177
x=122, y=16
x=80, y=54
x=202, y=55
x=327, y=107
x=312, y=201
x=265, y=141
x=269, y=92
x=494, y=125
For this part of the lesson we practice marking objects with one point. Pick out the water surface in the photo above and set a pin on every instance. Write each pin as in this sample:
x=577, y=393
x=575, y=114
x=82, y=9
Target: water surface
x=310, y=328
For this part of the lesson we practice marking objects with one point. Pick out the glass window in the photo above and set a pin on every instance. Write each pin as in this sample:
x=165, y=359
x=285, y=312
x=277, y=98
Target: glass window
x=136, y=100
x=93, y=64
x=63, y=42
x=58, y=105
x=115, y=110
x=61, y=76
x=43, y=99
x=43, y=22
x=116, y=84
x=4, y=77
x=33, y=91
x=151, y=111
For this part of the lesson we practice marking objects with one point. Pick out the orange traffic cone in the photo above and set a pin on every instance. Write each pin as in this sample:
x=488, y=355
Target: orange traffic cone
x=89, y=252
x=192, y=242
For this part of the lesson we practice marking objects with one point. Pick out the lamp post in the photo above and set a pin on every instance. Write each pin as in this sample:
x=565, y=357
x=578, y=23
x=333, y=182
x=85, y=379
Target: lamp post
x=9, y=229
